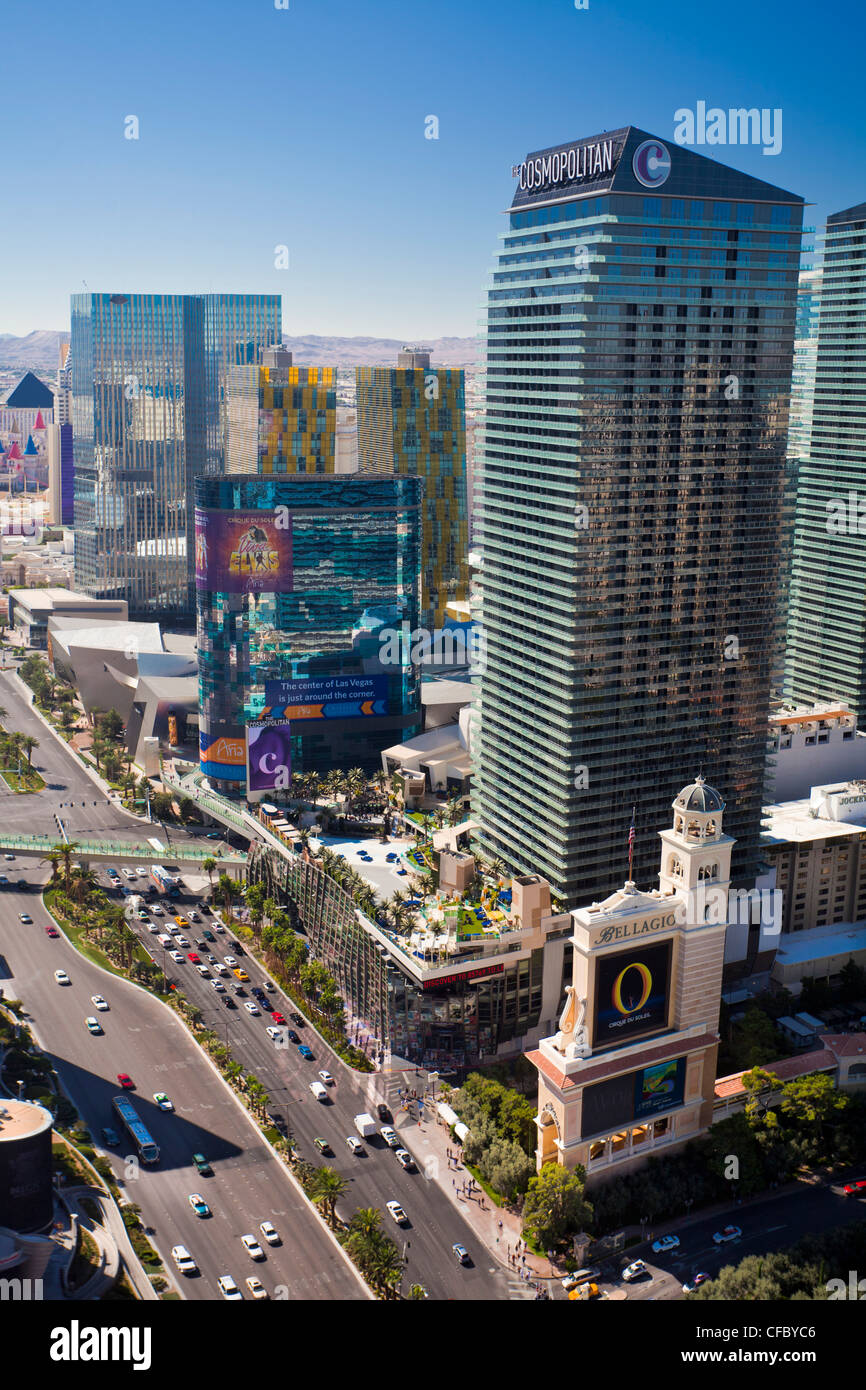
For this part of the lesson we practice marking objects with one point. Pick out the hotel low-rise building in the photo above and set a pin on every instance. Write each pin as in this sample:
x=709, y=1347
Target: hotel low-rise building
x=631, y=1069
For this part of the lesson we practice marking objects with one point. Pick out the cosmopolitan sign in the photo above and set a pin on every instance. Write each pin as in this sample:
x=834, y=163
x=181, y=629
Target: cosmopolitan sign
x=464, y=975
x=573, y=165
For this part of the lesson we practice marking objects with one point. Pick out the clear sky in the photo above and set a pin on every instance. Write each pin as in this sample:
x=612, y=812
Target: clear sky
x=304, y=127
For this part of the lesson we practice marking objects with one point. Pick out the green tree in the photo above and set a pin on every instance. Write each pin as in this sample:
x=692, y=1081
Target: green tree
x=328, y=1188
x=555, y=1207
x=208, y=865
x=506, y=1167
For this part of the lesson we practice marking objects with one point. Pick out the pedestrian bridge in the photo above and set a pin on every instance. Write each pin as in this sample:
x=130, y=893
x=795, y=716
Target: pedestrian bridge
x=106, y=851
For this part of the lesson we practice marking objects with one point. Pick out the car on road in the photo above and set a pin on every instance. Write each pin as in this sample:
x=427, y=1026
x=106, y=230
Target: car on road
x=110, y=1136
x=276, y=1034
x=24, y=917
x=228, y=1001
x=182, y=923
x=228, y=1288
x=218, y=986
x=692, y=1284
x=305, y=1052
x=22, y=883
x=153, y=927
x=10, y=858
x=396, y=1212
x=323, y=1146
x=213, y=835
x=256, y=1287
x=193, y=915
x=208, y=935
x=62, y=978
x=855, y=1188
x=202, y=1165
x=4, y=882
x=156, y=910
x=252, y=1247
x=384, y=1114
x=162, y=1100
x=183, y=1259
x=93, y=1025
x=270, y=1233
x=252, y=1008
x=725, y=1234
x=177, y=956
x=405, y=1159
x=126, y=1081
x=320, y=1092
x=269, y=985
x=129, y=873
x=203, y=971
x=99, y=1003
x=277, y=1017
x=231, y=962
x=461, y=1254
x=239, y=990
x=198, y=1204
x=182, y=941
x=636, y=1270
x=664, y=1244
x=354, y=1145
x=194, y=957
x=242, y=975
x=140, y=869
x=142, y=915
x=579, y=1276
x=51, y=931
x=293, y=1037
x=326, y=1077
x=390, y=1136
x=296, y=1019
x=236, y=946
x=212, y=960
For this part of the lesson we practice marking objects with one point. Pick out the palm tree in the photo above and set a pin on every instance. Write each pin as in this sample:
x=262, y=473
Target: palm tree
x=84, y=881
x=28, y=743
x=53, y=857
x=416, y=1293
x=65, y=852
x=230, y=892
x=329, y=1186
x=208, y=865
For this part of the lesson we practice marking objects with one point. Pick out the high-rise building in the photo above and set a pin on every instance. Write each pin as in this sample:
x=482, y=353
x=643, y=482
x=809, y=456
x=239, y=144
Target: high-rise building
x=149, y=384
x=826, y=642
x=411, y=421
x=60, y=446
x=640, y=326
x=805, y=360
x=296, y=576
x=282, y=419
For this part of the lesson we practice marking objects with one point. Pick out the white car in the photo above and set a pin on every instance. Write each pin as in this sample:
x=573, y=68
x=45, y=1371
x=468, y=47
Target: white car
x=326, y=1077
x=182, y=941
x=129, y=873
x=252, y=1247
x=354, y=1145
x=221, y=970
x=256, y=1287
x=153, y=927
x=231, y=961
x=218, y=986
x=228, y=1288
x=62, y=978
x=93, y=1025
x=183, y=1259
x=139, y=869
x=390, y=1137
x=203, y=971
x=634, y=1271
x=252, y=1008
x=156, y=910
x=99, y=1003
x=276, y=1034
x=727, y=1233
x=665, y=1243
x=162, y=1100
x=217, y=926
x=404, y=1158
x=397, y=1213
x=177, y=955
x=270, y=1233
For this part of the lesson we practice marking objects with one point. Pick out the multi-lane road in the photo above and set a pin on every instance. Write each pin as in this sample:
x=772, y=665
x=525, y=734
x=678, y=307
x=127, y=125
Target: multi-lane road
x=143, y=1037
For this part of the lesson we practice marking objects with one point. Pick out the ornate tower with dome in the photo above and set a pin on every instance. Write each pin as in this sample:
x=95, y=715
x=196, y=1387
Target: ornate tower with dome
x=630, y=1071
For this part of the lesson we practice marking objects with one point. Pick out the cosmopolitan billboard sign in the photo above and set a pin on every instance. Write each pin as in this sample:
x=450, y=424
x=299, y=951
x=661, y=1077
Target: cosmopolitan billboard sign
x=575, y=164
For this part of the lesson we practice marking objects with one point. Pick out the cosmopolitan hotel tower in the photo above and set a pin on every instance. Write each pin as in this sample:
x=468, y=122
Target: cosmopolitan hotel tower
x=826, y=646
x=149, y=411
x=640, y=329
x=412, y=422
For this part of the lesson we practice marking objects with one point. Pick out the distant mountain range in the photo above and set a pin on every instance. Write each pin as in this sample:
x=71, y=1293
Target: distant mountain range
x=38, y=351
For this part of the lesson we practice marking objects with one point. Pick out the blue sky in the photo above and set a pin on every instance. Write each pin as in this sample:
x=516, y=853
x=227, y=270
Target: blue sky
x=304, y=127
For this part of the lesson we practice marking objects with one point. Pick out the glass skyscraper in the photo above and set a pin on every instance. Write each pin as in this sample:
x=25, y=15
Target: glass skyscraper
x=640, y=326
x=412, y=421
x=282, y=419
x=149, y=417
x=297, y=576
x=826, y=647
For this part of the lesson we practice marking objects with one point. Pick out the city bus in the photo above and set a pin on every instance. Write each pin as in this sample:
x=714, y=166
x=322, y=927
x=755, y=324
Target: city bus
x=146, y=1145
x=164, y=881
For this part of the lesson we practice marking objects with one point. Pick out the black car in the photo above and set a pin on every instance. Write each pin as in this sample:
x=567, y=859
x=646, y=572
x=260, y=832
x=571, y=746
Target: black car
x=296, y=1018
x=293, y=1037
x=208, y=936
x=203, y=907
x=228, y=1001
x=384, y=1114
x=200, y=945
x=237, y=948
x=22, y=883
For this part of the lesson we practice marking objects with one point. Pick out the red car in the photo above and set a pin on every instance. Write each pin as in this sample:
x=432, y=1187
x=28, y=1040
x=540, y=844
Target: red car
x=126, y=1081
x=196, y=959
x=857, y=1188
x=51, y=931
x=277, y=1017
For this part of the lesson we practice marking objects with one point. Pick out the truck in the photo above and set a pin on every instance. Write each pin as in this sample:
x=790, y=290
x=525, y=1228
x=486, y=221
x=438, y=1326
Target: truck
x=365, y=1125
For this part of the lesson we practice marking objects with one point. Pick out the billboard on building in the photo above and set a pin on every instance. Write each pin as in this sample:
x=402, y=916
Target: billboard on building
x=243, y=552
x=631, y=993
x=224, y=756
x=269, y=755
x=634, y=1096
x=327, y=697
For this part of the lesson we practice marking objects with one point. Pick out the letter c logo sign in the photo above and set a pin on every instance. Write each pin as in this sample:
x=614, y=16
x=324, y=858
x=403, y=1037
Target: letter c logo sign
x=630, y=1005
x=651, y=163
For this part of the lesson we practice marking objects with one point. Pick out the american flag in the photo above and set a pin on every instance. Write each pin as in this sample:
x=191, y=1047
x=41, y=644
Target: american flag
x=631, y=831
